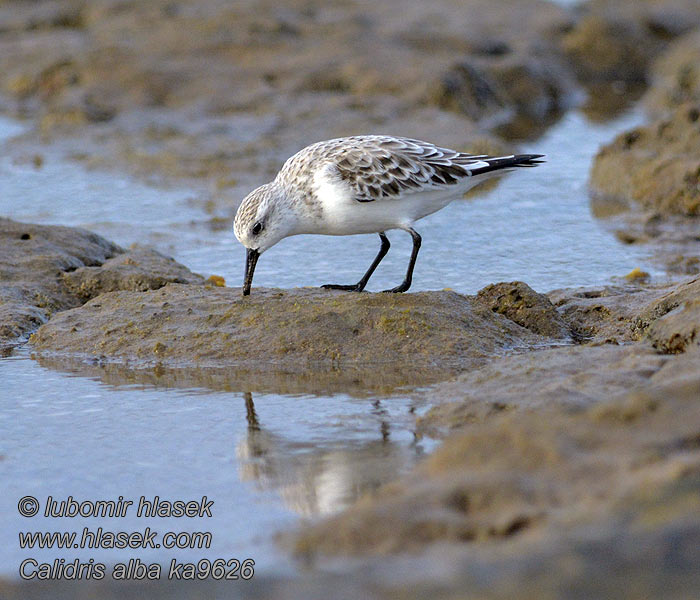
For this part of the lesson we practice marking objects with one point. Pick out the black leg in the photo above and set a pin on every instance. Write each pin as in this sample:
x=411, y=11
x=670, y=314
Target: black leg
x=251, y=415
x=412, y=263
x=360, y=285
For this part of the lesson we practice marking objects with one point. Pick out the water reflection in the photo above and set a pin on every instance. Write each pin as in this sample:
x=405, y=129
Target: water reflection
x=358, y=381
x=317, y=453
x=320, y=480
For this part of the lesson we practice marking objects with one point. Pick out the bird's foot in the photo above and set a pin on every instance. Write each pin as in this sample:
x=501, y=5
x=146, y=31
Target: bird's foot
x=346, y=288
x=399, y=289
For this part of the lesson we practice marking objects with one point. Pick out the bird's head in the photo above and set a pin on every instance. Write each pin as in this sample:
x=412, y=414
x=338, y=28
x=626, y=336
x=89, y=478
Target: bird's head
x=261, y=221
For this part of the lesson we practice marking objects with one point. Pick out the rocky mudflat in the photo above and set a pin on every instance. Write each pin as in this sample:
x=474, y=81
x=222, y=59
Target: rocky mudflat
x=540, y=444
x=118, y=83
x=571, y=433
x=567, y=408
x=538, y=474
x=614, y=416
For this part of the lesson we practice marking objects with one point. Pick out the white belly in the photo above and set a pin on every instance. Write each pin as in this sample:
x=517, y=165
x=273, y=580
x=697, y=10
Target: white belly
x=343, y=215
x=380, y=215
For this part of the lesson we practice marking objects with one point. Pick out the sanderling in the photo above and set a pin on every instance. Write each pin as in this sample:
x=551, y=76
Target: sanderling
x=361, y=184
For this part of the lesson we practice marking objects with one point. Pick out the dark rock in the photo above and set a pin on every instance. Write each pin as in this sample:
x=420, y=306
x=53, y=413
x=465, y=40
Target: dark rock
x=32, y=260
x=518, y=302
x=467, y=89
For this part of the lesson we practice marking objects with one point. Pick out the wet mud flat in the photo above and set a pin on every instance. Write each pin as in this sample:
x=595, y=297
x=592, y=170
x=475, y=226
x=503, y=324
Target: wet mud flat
x=569, y=462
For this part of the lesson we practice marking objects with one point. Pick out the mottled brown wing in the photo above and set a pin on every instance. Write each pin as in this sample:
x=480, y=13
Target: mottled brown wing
x=379, y=167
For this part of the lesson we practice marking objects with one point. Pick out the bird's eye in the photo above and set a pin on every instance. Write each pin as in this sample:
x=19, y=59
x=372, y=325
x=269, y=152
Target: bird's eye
x=257, y=228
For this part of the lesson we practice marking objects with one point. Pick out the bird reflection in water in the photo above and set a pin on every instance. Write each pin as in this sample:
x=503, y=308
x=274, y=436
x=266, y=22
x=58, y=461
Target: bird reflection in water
x=315, y=479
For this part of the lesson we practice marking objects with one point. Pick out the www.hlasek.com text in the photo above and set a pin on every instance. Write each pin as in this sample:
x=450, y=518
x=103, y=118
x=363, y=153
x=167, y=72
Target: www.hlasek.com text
x=108, y=540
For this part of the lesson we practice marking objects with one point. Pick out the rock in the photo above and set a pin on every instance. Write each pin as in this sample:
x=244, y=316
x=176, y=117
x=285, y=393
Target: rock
x=47, y=269
x=672, y=323
x=654, y=167
x=284, y=330
x=579, y=376
x=499, y=90
x=604, y=314
x=523, y=432
x=518, y=302
x=574, y=378
x=675, y=76
x=139, y=270
x=603, y=49
x=468, y=89
x=680, y=264
x=678, y=295
x=611, y=44
x=32, y=260
x=648, y=177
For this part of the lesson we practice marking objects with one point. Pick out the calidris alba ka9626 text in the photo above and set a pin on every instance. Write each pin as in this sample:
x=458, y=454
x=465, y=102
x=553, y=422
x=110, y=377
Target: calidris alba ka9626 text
x=361, y=184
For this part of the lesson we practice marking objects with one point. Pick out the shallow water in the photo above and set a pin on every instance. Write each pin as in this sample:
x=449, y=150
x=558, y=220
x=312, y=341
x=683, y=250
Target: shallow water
x=305, y=455
x=264, y=460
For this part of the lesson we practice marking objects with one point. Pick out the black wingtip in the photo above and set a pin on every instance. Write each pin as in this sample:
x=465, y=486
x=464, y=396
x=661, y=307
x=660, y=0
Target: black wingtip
x=528, y=160
x=508, y=162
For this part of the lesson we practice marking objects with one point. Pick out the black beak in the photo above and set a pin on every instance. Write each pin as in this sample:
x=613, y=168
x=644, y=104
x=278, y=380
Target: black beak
x=251, y=259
